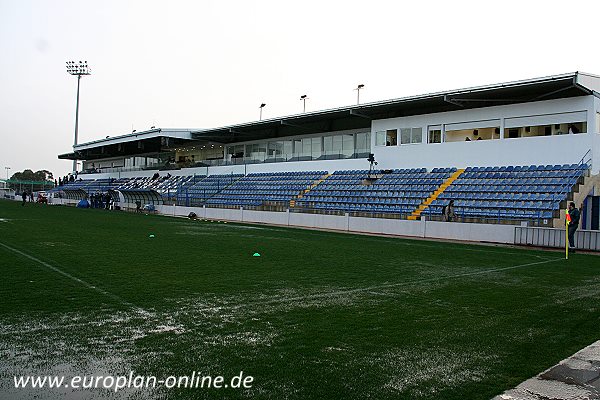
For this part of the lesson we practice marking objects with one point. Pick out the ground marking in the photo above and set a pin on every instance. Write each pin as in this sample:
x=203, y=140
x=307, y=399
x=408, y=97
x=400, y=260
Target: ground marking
x=375, y=287
x=76, y=279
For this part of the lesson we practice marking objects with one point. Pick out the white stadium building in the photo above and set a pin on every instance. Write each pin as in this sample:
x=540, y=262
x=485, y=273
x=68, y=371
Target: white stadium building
x=510, y=155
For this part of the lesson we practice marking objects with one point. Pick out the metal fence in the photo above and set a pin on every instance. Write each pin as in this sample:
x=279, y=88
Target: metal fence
x=555, y=237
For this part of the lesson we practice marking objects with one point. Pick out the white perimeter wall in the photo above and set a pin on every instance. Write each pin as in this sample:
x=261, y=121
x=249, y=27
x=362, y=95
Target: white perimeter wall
x=423, y=229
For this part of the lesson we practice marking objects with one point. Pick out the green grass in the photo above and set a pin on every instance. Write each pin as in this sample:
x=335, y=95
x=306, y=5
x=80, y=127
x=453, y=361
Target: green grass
x=319, y=315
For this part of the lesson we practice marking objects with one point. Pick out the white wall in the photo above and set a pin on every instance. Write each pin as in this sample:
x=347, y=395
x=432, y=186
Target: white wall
x=422, y=229
x=521, y=151
x=564, y=149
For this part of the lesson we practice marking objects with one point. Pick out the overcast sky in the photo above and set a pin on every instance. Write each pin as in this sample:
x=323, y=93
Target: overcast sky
x=200, y=64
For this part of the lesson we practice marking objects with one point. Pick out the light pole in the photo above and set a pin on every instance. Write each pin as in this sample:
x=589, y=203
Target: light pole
x=304, y=98
x=261, y=108
x=7, y=168
x=358, y=92
x=77, y=69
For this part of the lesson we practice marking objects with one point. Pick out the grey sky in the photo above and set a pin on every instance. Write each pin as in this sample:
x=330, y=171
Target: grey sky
x=203, y=64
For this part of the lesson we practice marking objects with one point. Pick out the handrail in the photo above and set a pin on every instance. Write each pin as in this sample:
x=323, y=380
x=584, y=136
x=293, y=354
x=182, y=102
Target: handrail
x=573, y=175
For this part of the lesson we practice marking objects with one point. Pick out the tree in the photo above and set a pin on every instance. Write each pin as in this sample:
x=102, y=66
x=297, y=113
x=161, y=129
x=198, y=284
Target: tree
x=43, y=179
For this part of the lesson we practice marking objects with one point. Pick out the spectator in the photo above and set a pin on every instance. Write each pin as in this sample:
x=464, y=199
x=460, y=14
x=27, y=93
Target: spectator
x=24, y=197
x=448, y=214
x=575, y=215
x=31, y=200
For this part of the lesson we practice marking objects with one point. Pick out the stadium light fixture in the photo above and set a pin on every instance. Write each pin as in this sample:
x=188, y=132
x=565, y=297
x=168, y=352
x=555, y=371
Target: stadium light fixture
x=304, y=98
x=262, y=105
x=77, y=69
x=6, y=168
x=358, y=92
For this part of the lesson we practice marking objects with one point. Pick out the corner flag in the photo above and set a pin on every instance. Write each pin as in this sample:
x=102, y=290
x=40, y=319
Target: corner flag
x=568, y=221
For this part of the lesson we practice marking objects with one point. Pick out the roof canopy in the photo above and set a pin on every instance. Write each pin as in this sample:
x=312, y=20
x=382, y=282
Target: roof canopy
x=346, y=118
x=360, y=116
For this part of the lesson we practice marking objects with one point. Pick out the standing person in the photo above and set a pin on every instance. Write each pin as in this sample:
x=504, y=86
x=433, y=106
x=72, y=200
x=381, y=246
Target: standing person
x=31, y=197
x=24, y=197
x=448, y=212
x=575, y=215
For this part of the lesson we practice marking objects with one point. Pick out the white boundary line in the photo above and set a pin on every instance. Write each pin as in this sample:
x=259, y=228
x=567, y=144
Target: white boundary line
x=283, y=299
x=76, y=279
x=375, y=287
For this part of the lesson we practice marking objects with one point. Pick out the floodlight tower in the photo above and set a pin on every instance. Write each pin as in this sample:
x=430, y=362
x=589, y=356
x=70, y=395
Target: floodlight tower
x=358, y=92
x=304, y=98
x=7, y=168
x=77, y=69
x=262, y=105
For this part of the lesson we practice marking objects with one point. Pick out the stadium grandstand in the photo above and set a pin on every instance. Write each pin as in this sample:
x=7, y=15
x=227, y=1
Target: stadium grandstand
x=510, y=154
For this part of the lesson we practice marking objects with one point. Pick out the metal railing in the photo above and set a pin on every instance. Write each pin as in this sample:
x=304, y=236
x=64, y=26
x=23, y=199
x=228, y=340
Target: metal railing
x=555, y=237
x=575, y=174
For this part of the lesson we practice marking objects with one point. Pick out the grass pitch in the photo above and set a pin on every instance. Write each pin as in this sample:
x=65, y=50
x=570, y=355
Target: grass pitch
x=318, y=316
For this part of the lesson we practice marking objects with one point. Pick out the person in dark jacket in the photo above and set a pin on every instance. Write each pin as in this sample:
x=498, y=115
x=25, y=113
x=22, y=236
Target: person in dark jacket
x=24, y=197
x=448, y=214
x=575, y=215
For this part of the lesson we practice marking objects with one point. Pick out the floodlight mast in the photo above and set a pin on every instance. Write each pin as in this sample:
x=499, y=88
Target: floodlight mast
x=303, y=98
x=78, y=69
x=262, y=105
x=358, y=92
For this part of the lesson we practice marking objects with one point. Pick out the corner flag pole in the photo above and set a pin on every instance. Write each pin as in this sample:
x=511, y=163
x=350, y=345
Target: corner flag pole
x=568, y=221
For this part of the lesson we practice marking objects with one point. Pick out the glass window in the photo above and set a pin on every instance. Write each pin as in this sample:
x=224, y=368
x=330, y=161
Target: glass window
x=328, y=144
x=435, y=136
x=288, y=148
x=297, y=147
x=348, y=145
x=391, y=137
x=252, y=151
x=337, y=144
x=239, y=151
x=275, y=149
x=306, y=147
x=416, y=135
x=405, y=135
x=363, y=142
x=316, y=147
x=380, y=138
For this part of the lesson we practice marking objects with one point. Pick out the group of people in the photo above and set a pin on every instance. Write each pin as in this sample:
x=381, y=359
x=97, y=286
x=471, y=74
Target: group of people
x=101, y=200
x=25, y=196
x=29, y=196
x=66, y=179
x=157, y=177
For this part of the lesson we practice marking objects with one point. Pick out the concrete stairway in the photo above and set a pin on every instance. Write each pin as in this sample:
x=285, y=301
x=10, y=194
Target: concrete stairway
x=579, y=194
x=423, y=206
x=305, y=191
